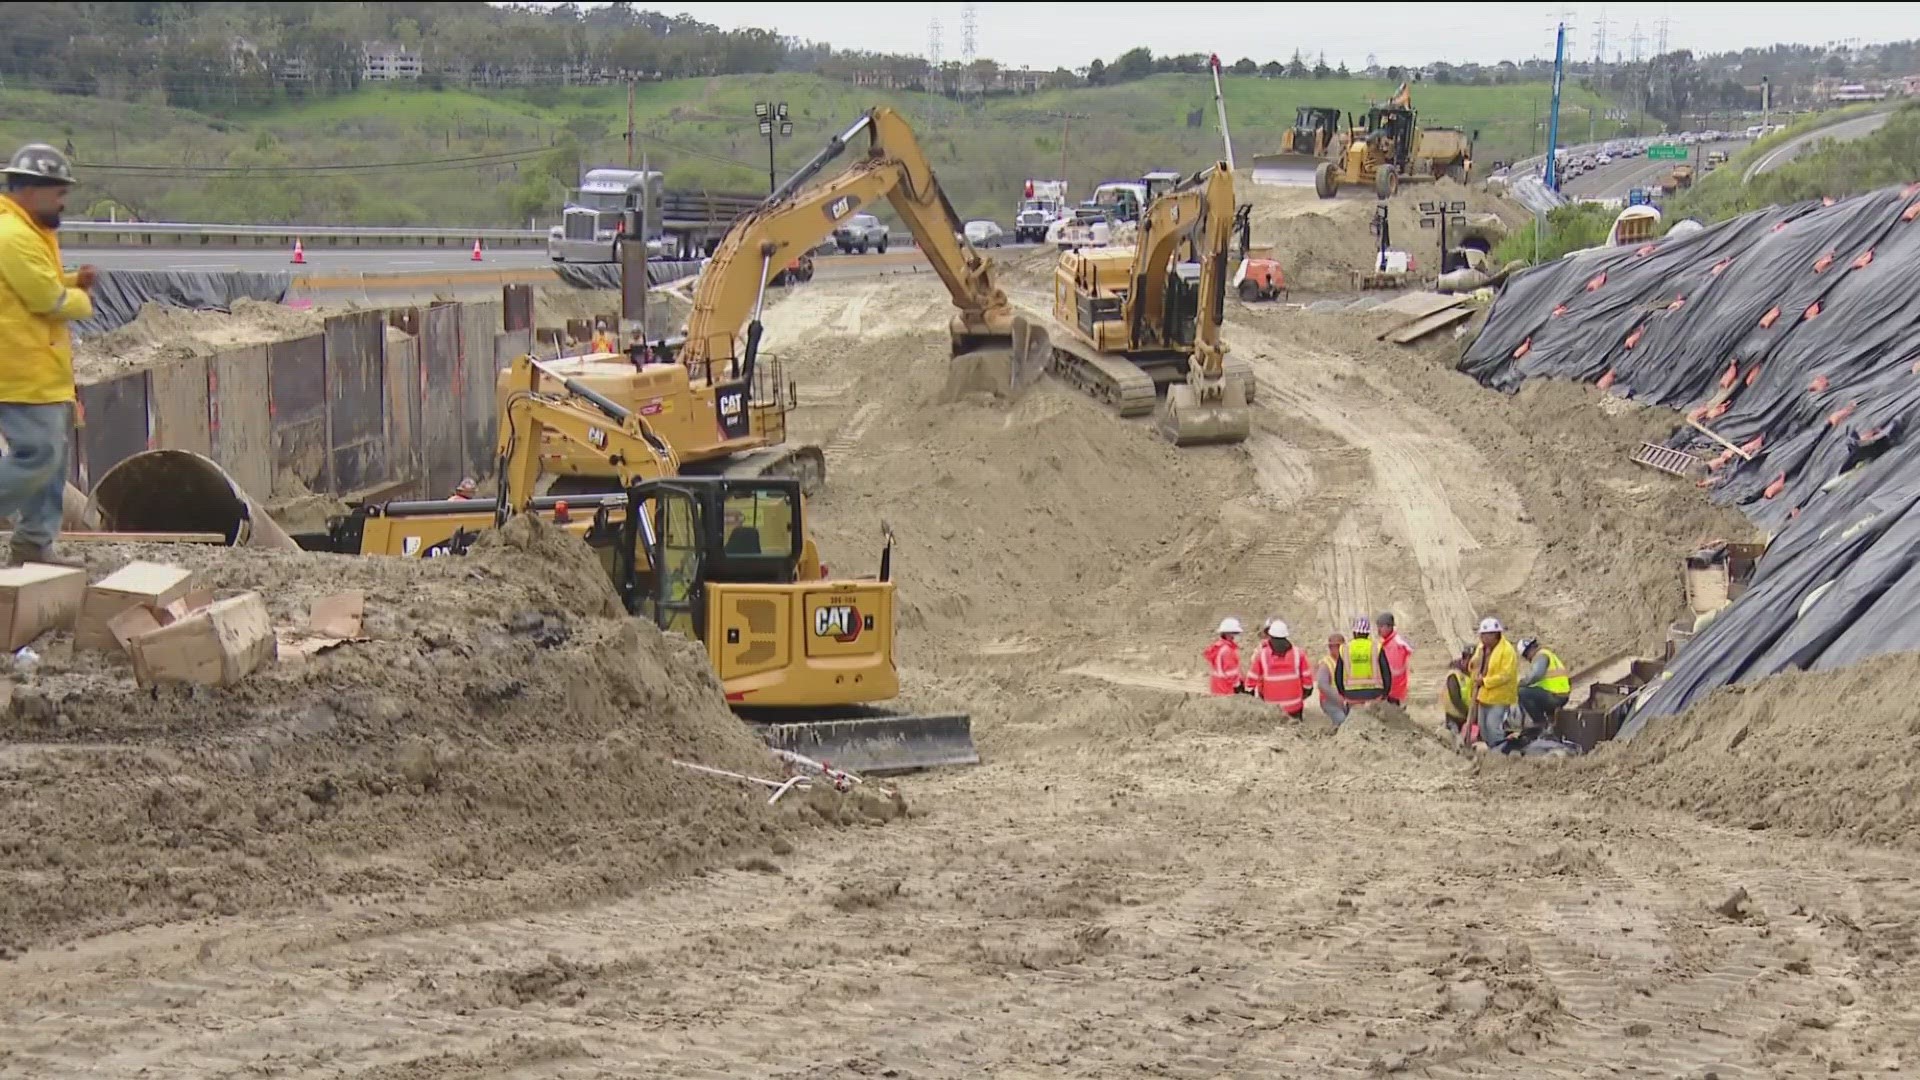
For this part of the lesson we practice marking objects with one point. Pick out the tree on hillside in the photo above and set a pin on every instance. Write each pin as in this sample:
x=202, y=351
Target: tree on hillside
x=1135, y=63
x=1273, y=69
x=1245, y=66
x=1297, y=67
x=1320, y=68
x=1396, y=73
x=1097, y=73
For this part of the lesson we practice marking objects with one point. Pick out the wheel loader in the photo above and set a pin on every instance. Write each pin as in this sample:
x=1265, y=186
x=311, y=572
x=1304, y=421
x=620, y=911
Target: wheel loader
x=724, y=560
x=714, y=395
x=1125, y=319
x=1390, y=148
x=1315, y=130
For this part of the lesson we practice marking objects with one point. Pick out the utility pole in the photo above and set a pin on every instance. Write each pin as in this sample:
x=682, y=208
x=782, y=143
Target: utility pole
x=1553, y=116
x=1766, y=104
x=1066, y=133
x=773, y=121
x=629, y=122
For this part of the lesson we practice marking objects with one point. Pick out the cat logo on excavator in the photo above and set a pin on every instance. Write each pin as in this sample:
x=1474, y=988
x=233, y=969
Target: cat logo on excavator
x=841, y=622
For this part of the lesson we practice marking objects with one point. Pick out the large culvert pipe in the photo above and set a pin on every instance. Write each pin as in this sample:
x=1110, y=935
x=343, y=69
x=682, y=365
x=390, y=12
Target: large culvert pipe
x=179, y=491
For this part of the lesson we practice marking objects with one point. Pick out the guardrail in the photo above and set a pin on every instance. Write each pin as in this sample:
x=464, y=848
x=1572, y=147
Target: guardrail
x=193, y=234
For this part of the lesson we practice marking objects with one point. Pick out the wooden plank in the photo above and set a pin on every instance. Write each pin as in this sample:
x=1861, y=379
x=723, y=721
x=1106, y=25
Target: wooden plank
x=237, y=389
x=441, y=447
x=479, y=326
x=356, y=401
x=177, y=396
x=403, y=411
x=298, y=370
x=116, y=424
x=1419, y=305
x=1420, y=328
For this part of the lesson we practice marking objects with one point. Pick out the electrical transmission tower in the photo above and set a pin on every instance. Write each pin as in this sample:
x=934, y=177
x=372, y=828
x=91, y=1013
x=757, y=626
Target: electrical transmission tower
x=968, y=26
x=933, y=42
x=1600, y=39
x=1662, y=26
x=1637, y=41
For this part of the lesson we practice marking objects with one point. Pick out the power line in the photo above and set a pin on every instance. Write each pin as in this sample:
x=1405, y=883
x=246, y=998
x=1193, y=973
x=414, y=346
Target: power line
x=501, y=157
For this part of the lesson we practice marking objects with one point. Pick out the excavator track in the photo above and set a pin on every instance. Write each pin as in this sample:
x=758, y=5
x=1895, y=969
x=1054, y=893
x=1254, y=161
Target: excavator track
x=1113, y=380
x=807, y=464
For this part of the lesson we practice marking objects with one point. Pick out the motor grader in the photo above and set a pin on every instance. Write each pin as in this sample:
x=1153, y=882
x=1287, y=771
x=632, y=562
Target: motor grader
x=713, y=394
x=1126, y=319
x=1390, y=148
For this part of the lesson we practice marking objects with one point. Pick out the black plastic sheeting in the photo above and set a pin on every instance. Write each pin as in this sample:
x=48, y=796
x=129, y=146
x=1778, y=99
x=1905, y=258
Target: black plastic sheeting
x=1794, y=333
x=118, y=294
x=607, y=275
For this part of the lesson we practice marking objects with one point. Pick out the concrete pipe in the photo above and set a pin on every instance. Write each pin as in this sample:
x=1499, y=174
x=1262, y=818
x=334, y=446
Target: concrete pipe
x=179, y=491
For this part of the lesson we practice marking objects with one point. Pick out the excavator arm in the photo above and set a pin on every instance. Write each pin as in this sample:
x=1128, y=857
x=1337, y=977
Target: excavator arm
x=1209, y=407
x=797, y=217
x=586, y=418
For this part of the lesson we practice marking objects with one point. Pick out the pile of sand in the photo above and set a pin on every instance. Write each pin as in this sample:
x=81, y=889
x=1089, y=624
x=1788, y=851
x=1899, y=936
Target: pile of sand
x=161, y=334
x=502, y=740
x=1321, y=242
x=1827, y=755
x=553, y=305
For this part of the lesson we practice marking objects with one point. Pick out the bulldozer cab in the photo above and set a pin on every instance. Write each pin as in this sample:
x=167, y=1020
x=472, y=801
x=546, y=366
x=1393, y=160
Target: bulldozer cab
x=1315, y=127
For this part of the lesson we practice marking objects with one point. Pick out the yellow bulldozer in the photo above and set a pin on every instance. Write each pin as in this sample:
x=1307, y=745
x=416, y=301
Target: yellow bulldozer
x=1388, y=148
x=720, y=402
x=1315, y=130
x=1126, y=319
x=723, y=560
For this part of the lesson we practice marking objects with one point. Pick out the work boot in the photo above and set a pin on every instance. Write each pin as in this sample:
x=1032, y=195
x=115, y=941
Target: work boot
x=20, y=553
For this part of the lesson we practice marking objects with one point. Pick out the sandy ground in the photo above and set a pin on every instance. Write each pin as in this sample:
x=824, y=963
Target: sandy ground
x=1321, y=242
x=1137, y=881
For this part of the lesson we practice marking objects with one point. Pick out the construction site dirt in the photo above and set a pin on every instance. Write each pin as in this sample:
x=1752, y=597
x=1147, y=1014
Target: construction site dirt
x=459, y=849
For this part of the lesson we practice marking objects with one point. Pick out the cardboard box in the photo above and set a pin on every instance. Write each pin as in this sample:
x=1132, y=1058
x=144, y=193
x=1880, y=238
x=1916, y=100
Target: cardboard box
x=36, y=598
x=217, y=645
x=137, y=584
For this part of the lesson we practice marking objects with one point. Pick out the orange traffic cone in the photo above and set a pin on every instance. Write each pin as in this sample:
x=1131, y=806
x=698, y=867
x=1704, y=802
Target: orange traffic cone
x=476, y=251
x=299, y=253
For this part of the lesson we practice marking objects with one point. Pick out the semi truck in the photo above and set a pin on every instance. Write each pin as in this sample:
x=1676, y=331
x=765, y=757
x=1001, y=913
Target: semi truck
x=1045, y=202
x=681, y=224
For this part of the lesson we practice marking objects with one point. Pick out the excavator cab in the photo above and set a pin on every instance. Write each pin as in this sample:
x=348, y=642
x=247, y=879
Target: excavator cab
x=726, y=561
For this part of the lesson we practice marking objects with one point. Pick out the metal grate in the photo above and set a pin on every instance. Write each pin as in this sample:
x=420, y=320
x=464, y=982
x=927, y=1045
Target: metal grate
x=1668, y=460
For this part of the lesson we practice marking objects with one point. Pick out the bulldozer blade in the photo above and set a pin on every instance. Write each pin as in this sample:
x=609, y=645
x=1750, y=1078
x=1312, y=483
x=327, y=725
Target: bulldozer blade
x=1285, y=170
x=1185, y=420
x=880, y=745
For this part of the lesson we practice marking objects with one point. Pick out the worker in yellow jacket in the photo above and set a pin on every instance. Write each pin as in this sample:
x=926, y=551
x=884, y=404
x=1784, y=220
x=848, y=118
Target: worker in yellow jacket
x=38, y=301
x=1495, y=669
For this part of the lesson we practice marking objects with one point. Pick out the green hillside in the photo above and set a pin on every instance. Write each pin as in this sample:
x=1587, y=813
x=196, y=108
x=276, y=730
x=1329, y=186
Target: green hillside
x=285, y=163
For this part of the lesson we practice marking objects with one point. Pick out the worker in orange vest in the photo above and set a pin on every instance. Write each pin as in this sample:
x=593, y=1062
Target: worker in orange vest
x=1223, y=660
x=1396, y=648
x=1280, y=673
x=602, y=340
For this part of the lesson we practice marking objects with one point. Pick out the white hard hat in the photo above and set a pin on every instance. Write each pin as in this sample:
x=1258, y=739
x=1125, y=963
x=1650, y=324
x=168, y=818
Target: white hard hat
x=1229, y=625
x=1276, y=628
x=1491, y=625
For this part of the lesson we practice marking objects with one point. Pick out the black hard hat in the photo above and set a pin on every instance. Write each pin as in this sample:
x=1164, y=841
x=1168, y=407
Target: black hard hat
x=38, y=161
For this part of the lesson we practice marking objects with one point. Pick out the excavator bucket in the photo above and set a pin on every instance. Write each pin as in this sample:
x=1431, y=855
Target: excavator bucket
x=1186, y=420
x=1285, y=169
x=990, y=358
x=880, y=744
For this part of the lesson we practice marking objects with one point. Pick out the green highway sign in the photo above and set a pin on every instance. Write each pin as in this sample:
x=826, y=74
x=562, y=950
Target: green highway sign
x=1666, y=152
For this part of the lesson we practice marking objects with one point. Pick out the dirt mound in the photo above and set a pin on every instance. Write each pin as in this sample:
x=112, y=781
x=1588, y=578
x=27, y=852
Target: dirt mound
x=553, y=305
x=1030, y=269
x=504, y=738
x=161, y=333
x=1321, y=242
x=1828, y=755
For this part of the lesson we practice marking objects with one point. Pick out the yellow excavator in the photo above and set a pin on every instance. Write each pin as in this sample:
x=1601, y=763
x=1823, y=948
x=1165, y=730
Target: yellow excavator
x=723, y=560
x=719, y=402
x=1126, y=319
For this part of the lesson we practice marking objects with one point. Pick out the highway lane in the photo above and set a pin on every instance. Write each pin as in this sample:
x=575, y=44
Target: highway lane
x=1615, y=180
x=1844, y=131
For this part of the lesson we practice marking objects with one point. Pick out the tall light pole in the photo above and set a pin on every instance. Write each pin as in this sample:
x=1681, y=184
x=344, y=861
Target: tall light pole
x=773, y=121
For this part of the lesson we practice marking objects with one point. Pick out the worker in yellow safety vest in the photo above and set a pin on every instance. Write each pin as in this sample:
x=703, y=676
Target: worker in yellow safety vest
x=1545, y=686
x=602, y=339
x=1363, y=673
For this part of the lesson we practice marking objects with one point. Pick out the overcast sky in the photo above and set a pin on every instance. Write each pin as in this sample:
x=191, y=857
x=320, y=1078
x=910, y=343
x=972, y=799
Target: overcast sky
x=1049, y=35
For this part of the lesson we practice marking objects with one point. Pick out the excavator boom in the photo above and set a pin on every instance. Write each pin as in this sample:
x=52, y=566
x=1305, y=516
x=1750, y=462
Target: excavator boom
x=1211, y=406
x=802, y=213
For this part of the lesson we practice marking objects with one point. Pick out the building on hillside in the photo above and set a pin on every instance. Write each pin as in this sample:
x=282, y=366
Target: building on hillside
x=384, y=62
x=1908, y=86
x=293, y=69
